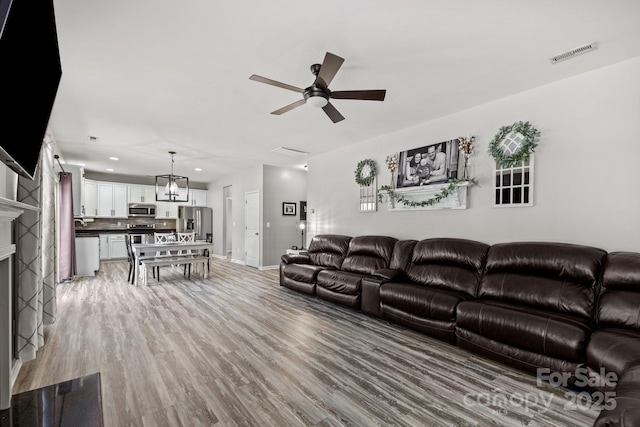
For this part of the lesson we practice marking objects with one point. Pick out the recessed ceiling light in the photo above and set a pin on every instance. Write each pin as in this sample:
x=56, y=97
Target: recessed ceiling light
x=109, y=170
x=198, y=169
x=113, y=158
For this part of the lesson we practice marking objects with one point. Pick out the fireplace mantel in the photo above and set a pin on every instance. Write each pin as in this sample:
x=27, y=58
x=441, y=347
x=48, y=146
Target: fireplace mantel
x=10, y=210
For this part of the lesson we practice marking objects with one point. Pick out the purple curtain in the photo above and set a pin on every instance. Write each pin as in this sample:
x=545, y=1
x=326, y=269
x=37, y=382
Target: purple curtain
x=67, y=254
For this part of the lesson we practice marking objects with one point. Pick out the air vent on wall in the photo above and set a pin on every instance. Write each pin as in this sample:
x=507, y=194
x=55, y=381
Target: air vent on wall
x=289, y=152
x=574, y=52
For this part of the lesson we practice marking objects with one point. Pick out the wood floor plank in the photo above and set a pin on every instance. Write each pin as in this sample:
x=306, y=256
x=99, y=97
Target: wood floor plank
x=237, y=349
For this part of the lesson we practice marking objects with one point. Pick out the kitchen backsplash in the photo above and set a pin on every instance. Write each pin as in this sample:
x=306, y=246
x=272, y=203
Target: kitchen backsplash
x=121, y=224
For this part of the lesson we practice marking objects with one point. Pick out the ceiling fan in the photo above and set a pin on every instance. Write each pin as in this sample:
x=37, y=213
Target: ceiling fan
x=318, y=94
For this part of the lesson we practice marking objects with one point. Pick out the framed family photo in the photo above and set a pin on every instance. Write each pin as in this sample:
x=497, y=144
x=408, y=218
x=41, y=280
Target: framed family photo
x=431, y=164
x=288, y=208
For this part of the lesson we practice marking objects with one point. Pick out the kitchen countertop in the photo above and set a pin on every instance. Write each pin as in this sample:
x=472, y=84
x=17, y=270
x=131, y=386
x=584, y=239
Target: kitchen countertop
x=88, y=234
x=81, y=232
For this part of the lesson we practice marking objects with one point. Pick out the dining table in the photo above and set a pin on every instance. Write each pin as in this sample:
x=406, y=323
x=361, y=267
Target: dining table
x=149, y=250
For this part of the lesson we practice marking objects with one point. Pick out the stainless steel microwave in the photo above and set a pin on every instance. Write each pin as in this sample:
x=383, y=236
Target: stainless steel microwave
x=141, y=210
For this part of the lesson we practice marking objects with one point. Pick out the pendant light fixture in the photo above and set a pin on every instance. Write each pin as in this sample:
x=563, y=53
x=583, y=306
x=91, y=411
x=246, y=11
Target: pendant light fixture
x=172, y=188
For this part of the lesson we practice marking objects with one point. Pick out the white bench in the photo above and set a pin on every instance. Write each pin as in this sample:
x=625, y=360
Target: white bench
x=165, y=260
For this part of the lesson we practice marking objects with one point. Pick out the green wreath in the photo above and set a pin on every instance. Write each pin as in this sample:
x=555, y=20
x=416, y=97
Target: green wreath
x=529, y=133
x=365, y=172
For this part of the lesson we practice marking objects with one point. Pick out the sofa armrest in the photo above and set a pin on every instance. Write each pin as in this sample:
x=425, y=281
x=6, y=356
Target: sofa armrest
x=389, y=274
x=624, y=407
x=296, y=259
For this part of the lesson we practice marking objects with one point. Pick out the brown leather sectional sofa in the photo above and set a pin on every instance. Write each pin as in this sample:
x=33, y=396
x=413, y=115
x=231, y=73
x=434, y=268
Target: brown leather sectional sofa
x=562, y=307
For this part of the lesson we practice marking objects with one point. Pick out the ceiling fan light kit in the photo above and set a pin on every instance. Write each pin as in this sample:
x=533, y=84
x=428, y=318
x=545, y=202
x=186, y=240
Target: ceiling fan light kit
x=318, y=94
x=315, y=97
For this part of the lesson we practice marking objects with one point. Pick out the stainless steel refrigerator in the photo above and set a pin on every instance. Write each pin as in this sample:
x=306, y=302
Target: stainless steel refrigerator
x=196, y=219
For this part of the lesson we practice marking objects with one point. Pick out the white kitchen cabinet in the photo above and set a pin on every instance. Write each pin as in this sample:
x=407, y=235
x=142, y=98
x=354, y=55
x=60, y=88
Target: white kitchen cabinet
x=104, y=246
x=77, y=186
x=167, y=210
x=196, y=198
x=112, y=246
x=90, y=208
x=141, y=193
x=117, y=246
x=87, y=255
x=112, y=200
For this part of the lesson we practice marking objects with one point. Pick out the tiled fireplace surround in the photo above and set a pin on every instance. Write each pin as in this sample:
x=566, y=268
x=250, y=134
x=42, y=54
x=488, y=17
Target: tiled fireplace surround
x=9, y=365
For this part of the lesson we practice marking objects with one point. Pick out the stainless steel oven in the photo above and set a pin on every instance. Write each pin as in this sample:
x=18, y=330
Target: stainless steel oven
x=141, y=233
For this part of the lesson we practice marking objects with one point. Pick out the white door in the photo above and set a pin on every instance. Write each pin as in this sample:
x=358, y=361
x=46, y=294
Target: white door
x=252, y=222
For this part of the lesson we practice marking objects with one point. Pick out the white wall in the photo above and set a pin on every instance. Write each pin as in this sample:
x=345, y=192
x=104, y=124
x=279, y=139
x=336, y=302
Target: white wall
x=281, y=185
x=241, y=182
x=587, y=170
x=275, y=185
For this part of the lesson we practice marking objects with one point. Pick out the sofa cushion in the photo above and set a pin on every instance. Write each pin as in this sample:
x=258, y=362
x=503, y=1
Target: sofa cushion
x=306, y=273
x=420, y=300
x=367, y=254
x=448, y=264
x=513, y=356
x=619, y=302
x=341, y=282
x=558, y=277
x=613, y=349
x=328, y=250
x=540, y=331
x=402, y=254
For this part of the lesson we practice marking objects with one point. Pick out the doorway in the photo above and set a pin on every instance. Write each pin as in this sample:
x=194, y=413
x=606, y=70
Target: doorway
x=252, y=229
x=227, y=223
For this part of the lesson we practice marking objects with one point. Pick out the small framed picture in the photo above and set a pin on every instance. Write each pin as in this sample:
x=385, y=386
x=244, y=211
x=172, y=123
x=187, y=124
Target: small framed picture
x=288, y=208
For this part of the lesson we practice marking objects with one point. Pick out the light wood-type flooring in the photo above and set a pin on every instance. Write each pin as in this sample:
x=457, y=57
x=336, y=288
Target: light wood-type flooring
x=238, y=349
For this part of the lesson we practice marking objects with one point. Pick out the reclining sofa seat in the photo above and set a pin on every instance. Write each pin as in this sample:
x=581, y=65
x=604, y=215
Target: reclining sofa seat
x=615, y=346
x=535, y=306
x=365, y=255
x=439, y=274
x=299, y=272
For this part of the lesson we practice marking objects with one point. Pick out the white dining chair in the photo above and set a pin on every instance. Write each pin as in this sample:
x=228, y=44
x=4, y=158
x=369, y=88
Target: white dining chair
x=184, y=238
x=162, y=238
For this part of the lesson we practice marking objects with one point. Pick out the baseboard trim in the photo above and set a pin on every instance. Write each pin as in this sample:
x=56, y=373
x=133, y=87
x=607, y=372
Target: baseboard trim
x=269, y=267
x=218, y=256
x=237, y=261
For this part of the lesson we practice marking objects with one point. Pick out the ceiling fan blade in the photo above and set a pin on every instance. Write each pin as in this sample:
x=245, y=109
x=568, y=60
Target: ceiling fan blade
x=333, y=114
x=367, y=95
x=289, y=107
x=275, y=83
x=328, y=70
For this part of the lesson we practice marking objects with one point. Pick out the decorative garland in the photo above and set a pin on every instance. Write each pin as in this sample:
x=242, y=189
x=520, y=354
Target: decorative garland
x=527, y=130
x=365, y=172
x=443, y=194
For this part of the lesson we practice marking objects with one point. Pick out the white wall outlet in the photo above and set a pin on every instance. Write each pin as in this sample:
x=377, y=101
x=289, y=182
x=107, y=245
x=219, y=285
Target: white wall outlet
x=268, y=224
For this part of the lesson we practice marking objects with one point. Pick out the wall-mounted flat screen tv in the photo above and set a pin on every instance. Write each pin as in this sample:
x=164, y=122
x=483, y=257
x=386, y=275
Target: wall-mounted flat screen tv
x=30, y=73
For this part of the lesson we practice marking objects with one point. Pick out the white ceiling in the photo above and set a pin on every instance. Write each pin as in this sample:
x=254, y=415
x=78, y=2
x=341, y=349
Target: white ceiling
x=150, y=76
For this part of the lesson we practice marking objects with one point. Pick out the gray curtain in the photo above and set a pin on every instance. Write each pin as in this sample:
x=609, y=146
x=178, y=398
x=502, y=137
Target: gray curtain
x=67, y=254
x=36, y=271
